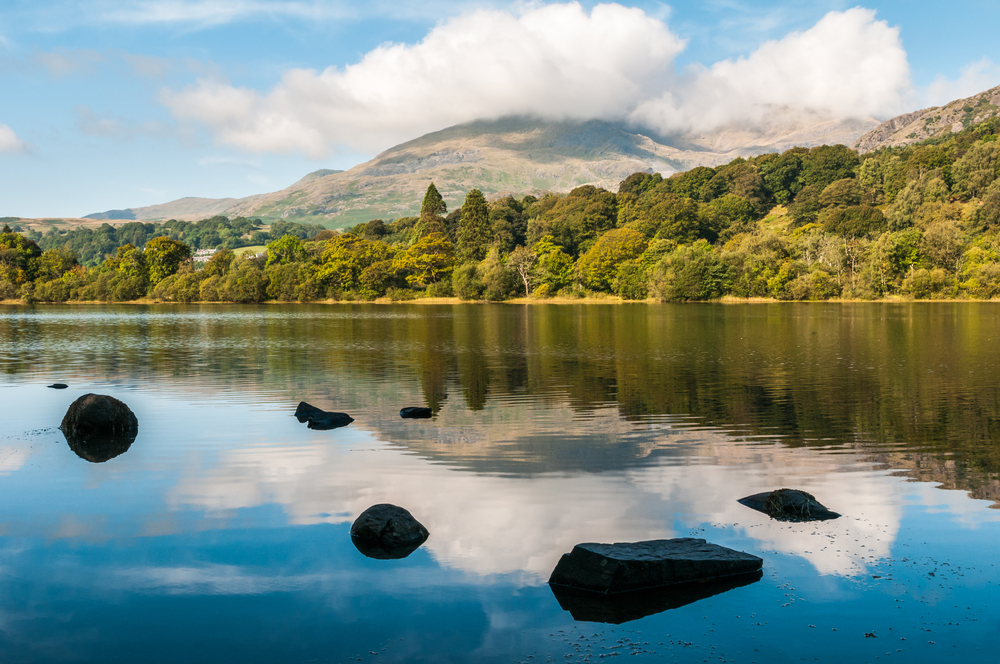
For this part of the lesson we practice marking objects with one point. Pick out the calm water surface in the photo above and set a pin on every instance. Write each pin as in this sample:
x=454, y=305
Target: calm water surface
x=222, y=533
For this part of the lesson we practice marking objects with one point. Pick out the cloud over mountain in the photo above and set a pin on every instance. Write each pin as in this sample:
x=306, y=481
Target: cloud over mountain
x=555, y=61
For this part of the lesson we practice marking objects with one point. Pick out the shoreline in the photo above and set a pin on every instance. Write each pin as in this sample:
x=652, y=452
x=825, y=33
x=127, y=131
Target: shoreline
x=524, y=301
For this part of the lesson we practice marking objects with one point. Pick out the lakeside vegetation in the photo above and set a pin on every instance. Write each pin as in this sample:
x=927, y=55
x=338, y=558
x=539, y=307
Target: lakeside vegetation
x=921, y=222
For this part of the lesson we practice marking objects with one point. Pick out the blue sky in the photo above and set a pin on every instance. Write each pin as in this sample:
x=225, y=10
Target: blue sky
x=129, y=103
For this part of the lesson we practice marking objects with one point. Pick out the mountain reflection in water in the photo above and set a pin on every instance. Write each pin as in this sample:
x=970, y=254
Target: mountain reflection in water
x=553, y=425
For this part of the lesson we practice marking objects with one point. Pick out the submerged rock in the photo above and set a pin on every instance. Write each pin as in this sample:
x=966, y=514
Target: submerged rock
x=98, y=427
x=789, y=505
x=630, y=566
x=321, y=420
x=386, y=531
x=58, y=386
x=415, y=412
x=588, y=606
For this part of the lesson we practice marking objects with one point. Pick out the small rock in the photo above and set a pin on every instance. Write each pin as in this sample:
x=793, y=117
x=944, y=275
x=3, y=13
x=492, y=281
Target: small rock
x=789, y=505
x=625, y=567
x=387, y=532
x=320, y=419
x=98, y=427
x=414, y=412
x=58, y=386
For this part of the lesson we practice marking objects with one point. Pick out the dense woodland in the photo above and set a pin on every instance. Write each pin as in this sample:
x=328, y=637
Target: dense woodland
x=918, y=222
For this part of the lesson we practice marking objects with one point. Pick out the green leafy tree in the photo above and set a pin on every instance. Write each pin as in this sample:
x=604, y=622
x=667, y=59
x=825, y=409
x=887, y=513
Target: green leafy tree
x=841, y=193
x=978, y=168
x=855, y=222
x=427, y=262
x=554, y=270
x=510, y=227
x=54, y=263
x=781, y=174
x=475, y=234
x=690, y=272
x=498, y=280
x=576, y=220
x=826, y=164
x=286, y=250
x=219, y=264
x=598, y=267
x=163, y=257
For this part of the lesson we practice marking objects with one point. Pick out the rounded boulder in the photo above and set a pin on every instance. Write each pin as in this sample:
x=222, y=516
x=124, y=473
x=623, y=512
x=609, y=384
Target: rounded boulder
x=386, y=531
x=98, y=427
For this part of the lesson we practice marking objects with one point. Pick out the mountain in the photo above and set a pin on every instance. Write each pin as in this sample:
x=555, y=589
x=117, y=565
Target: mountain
x=931, y=122
x=513, y=155
x=183, y=208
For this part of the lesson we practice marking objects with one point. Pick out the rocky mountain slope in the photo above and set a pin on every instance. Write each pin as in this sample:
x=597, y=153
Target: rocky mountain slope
x=930, y=122
x=514, y=155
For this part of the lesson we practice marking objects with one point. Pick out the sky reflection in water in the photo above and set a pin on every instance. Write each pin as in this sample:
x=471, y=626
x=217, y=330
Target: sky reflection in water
x=222, y=532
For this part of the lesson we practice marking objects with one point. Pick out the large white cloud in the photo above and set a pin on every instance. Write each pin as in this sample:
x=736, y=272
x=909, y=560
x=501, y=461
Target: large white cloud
x=9, y=142
x=847, y=65
x=556, y=61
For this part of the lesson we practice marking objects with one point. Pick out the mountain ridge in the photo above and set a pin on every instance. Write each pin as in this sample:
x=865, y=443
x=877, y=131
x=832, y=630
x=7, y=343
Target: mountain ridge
x=513, y=155
x=932, y=122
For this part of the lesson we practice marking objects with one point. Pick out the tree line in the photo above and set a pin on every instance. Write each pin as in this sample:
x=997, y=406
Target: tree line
x=919, y=221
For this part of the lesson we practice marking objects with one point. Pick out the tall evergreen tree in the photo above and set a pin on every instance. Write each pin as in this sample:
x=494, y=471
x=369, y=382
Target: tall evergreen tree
x=431, y=214
x=475, y=234
x=433, y=203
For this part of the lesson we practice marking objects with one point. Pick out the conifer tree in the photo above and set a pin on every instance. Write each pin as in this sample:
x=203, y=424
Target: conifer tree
x=475, y=234
x=431, y=211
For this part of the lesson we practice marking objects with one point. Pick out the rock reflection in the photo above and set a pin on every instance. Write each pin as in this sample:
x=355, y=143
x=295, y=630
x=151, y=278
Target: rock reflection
x=98, y=449
x=587, y=606
x=383, y=551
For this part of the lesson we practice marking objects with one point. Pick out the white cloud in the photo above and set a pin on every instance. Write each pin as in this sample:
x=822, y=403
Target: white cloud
x=556, y=61
x=973, y=79
x=9, y=142
x=847, y=65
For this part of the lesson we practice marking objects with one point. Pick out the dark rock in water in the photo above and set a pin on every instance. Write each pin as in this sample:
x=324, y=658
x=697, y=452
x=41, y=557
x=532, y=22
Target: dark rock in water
x=789, y=505
x=98, y=427
x=321, y=419
x=414, y=412
x=588, y=606
x=58, y=386
x=629, y=566
x=386, y=532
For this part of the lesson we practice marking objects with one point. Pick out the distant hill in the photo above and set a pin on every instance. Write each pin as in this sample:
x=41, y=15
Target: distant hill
x=931, y=122
x=514, y=155
x=188, y=209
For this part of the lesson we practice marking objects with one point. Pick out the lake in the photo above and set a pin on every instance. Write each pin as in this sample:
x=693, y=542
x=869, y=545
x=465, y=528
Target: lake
x=222, y=533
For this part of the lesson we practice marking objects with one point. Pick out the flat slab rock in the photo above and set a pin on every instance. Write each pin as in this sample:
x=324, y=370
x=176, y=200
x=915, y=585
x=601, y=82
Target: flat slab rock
x=630, y=566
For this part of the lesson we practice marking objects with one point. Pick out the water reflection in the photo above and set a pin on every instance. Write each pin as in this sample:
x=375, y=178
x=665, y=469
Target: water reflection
x=617, y=609
x=551, y=426
x=910, y=385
